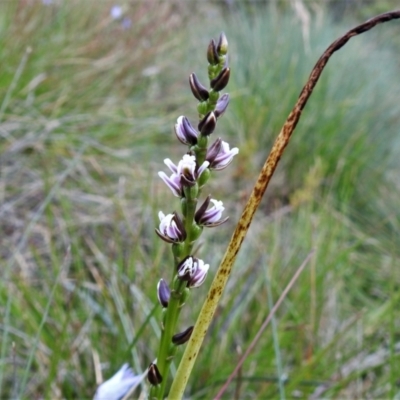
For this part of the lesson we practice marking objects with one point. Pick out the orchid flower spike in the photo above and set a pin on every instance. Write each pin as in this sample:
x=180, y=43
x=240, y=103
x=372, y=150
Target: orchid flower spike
x=118, y=385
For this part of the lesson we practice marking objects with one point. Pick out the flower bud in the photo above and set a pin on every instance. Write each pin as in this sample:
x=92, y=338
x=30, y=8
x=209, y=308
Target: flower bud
x=205, y=176
x=203, y=142
x=185, y=132
x=195, y=232
x=222, y=105
x=198, y=90
x=163, y=293
x=208, y=124
x=202, y=108
x=183, y=337
x=212, y=54
x=178, y=249
x=184, y=296
x=221, y=80
x=153, y=375
x=222, y=46
x=214, y=96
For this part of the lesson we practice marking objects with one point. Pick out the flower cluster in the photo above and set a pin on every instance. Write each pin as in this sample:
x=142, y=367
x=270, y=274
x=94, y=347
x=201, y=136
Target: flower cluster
x=186, y=181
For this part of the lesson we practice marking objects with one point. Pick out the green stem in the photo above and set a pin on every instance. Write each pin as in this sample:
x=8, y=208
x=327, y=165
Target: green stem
x=167, y=349
x=201, y=149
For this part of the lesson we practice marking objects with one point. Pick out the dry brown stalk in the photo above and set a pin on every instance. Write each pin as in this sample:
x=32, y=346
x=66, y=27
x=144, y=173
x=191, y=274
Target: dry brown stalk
x=224, y=270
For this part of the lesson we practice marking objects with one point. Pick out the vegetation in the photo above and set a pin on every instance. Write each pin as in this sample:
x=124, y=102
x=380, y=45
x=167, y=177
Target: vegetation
x=88, y=103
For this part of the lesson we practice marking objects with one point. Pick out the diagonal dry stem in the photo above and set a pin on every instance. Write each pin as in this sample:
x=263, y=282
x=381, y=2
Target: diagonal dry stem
x=224, y=270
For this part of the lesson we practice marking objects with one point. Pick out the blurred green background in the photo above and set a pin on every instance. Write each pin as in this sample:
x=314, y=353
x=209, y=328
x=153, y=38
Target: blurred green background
x=87, y=107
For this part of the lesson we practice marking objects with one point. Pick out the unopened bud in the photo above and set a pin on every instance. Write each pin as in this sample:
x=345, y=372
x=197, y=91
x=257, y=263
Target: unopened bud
x=222, y=105
x=208, y=124
x=183, y=337
x=202, y=108
x=221, y=80
x=195, y=232
x=163, y=293
x=178, y=249
x=185, y=132
x=205, y=176
x=153, y=375
x=222, y=46
x=184, y=296
x=212, y=54
x=199, y=91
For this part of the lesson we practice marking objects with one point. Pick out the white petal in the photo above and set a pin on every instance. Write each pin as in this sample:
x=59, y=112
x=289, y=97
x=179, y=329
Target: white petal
x=118, y=385
x=171, y=165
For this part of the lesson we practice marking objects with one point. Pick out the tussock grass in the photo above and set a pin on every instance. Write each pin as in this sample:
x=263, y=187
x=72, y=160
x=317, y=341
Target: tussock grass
x=83, y=133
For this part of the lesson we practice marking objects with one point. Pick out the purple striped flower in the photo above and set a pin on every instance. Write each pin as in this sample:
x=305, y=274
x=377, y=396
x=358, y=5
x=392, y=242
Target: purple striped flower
x=220, y=155
x=193, y=270
x=210, y=217
x=183, y=174
x=171, y=228
x=200, y=274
